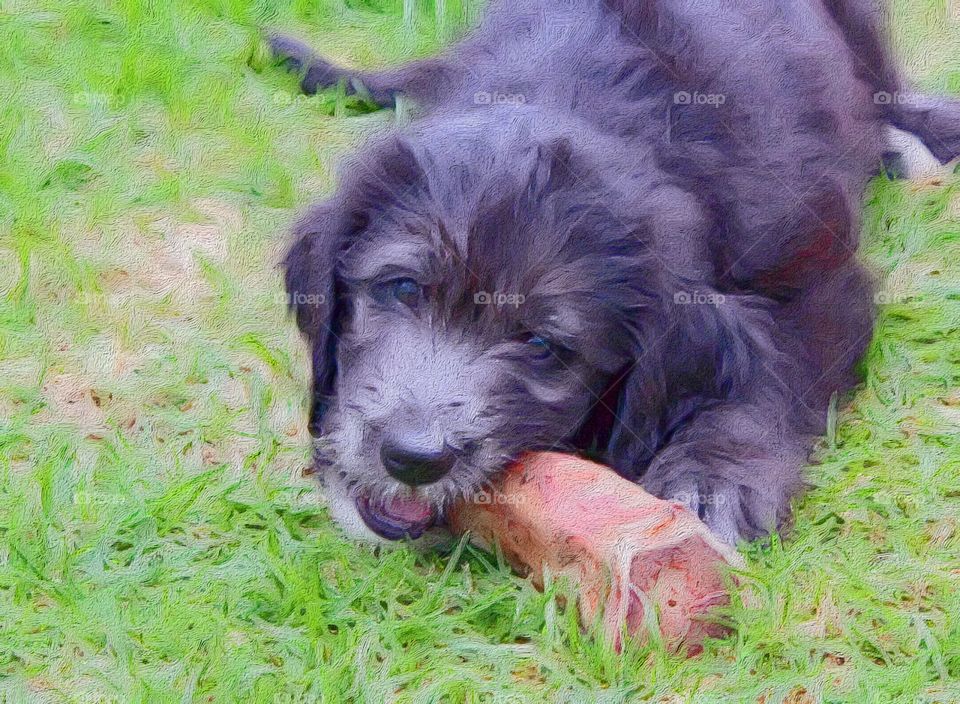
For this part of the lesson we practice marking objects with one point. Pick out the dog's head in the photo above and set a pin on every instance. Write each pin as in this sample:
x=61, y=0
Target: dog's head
x=469, y=293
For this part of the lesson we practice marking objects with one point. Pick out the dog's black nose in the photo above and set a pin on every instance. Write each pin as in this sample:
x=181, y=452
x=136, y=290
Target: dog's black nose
x=415, y=465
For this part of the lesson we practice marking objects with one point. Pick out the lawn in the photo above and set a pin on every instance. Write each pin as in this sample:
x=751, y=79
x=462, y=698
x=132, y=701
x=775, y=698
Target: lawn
x=159, y=541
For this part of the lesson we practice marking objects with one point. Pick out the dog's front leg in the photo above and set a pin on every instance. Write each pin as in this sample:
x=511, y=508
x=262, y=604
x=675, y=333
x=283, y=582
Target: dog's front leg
x=748, y=396
x=736, y=465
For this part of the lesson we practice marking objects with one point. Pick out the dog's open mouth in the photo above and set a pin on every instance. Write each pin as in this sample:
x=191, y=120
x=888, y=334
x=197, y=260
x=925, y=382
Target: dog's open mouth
x=397, y=517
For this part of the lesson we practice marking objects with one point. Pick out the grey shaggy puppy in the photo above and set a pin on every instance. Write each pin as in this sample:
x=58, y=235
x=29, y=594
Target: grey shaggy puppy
x=622, y=227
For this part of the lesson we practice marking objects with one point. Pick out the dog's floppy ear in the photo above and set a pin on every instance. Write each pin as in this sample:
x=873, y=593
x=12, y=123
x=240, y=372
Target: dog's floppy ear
x=310, y=274
x=627, y=421
x=387, y=175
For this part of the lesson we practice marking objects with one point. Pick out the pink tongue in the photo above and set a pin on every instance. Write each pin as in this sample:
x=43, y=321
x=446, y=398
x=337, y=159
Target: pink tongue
x=408, y=509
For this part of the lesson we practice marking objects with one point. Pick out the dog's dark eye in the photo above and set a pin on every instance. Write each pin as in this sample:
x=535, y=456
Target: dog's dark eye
x=405, y=290
x=542, y=349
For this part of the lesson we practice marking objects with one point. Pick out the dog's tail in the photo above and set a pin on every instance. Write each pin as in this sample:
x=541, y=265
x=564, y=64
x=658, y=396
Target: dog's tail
x=423, y=79
x=315, y=73
x=935, y=120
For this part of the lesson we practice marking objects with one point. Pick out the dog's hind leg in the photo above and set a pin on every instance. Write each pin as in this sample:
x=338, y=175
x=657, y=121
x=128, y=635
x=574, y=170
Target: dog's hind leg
x=935, y=120
x=422, y=80
x=906, y=156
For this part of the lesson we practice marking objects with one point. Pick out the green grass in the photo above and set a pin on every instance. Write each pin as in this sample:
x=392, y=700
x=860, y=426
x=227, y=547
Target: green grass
x=158, y=542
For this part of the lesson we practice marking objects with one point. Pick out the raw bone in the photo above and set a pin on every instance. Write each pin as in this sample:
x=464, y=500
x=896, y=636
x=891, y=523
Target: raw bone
x=627, y=551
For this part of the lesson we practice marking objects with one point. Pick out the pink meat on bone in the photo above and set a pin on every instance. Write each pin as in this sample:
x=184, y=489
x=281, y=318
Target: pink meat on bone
x=649, y=563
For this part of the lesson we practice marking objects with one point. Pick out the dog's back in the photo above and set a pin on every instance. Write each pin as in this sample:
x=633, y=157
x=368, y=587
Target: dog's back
x=758, y=106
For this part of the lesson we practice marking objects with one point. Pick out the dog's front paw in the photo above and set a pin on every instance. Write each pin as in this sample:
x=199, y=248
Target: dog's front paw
x=715, y=505
x=731, y=511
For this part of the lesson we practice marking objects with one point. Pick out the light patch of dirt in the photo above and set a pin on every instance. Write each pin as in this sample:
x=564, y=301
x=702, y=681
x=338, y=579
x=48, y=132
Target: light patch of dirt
x=904, y=281
x=107, y=358
x=951, y=414
x=23, y=371
x=17, y=372
x=166, y=250
x=154, y=255
x=840, y=670
x=71, y=398
x=41, y=685
x=953, y=208
x=825, y=622
x=10, y=266
x=930, y=176
x=209, y=239
x=942, y=531
x=799, y=696
x=289, y=420
x=58, y=130
x=948, y=407
x=233, y=392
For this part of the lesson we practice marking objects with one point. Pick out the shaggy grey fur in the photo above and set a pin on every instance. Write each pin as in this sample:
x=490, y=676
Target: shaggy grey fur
x=620, y=227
